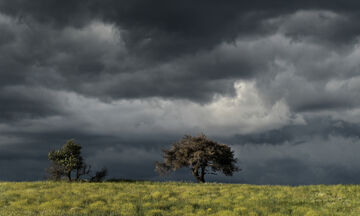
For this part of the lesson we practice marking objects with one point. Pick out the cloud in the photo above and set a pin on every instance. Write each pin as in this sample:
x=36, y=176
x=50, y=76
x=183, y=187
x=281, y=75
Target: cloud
x=318, y=26
x=278, y=81
x=317, y=161
x=226, y=115
x=95, y=60
x=161, y=30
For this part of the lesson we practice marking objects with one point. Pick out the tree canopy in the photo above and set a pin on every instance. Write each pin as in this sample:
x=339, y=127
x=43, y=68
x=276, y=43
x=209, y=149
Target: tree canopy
x=201, y=154
x=66, y=160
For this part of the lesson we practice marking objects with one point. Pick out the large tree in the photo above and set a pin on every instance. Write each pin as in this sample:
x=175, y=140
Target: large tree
x=199, y=153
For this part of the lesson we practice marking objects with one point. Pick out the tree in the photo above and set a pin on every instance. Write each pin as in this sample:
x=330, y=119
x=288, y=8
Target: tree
x=200, y=154
x=99, y=175
x=66, y=160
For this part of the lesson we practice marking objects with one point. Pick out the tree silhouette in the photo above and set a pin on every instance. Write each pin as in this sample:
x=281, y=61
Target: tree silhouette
x=199, y=153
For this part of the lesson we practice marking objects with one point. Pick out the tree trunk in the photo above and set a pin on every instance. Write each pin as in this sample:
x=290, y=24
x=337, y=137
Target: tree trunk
x=69, y=175
x=202, y=175
x=78, y=174
x=199, y=179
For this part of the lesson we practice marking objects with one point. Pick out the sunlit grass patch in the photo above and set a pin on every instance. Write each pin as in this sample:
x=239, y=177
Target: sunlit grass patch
x=174, y=198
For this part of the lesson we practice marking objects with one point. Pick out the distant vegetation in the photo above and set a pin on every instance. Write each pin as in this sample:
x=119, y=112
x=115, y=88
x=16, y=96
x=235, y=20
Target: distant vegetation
x=175, y=199
x=202, y=155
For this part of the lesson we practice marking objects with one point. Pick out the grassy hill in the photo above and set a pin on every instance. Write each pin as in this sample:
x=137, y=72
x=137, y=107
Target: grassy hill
x=154, y=198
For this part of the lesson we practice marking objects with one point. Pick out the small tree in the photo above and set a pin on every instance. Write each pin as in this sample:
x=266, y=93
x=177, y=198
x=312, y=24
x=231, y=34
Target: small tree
x=99, y=175
x=66, y=160
x=199, y=153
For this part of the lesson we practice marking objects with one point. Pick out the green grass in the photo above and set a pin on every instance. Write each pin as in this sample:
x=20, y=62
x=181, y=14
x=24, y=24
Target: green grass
x=154, y=198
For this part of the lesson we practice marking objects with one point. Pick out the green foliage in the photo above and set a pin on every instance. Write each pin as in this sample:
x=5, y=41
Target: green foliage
x=199, y=153
x=66, y=160
x=176, y=199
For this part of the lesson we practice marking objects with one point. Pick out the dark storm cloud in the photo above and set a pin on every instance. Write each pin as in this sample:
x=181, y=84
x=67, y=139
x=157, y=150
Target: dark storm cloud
x=280, y=171
x=123, y=157
x=19, y=102
x=61, y=58
x=162, y=28
x=127, y=78
x=318, y=160
x=288, y=171
x=60, y=43
x=328, y=26
x=24, y=169
x=297, y=134
x=163, y=24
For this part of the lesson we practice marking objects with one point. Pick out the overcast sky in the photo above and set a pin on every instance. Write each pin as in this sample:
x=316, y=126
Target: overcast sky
x=279, y=81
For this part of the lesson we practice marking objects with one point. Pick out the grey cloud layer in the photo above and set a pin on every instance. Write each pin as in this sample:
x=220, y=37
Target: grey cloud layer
x=134, y=76
x=164, y=28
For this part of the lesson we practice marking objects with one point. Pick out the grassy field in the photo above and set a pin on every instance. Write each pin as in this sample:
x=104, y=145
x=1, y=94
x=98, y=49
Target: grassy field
x=153, y=198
